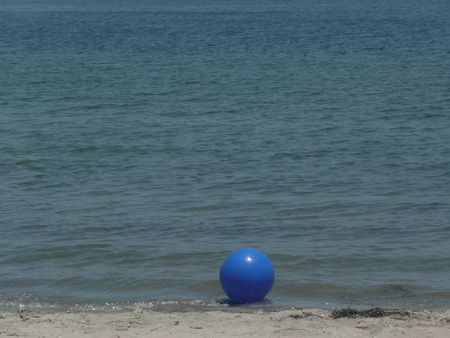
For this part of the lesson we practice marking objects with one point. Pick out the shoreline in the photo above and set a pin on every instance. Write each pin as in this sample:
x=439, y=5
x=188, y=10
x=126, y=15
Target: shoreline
x=295, y=322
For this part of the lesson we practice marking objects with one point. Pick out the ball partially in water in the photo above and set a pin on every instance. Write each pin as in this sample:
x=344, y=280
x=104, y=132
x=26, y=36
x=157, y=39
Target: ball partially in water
x=247, y=275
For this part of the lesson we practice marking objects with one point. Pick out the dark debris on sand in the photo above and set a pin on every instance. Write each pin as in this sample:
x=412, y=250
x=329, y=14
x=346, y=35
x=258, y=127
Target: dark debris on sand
x=372, y=313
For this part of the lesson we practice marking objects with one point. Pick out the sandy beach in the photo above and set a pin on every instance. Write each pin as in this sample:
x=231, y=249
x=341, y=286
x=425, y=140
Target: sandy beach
x=295, y=322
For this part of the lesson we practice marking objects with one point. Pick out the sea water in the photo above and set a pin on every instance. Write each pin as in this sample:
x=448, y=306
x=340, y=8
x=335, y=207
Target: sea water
x=141, y=142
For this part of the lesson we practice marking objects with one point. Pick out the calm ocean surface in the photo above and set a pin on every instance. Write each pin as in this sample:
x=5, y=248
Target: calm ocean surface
x=141, y=142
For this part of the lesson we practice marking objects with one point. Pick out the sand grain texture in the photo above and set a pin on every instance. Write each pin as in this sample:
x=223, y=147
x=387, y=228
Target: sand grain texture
x=264, y=323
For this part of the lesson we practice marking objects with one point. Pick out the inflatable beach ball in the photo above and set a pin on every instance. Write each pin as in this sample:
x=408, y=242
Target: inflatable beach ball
x=247, y=275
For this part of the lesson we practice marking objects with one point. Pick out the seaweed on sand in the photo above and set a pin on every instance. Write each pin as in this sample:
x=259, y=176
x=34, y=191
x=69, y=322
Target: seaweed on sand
x=371, y=313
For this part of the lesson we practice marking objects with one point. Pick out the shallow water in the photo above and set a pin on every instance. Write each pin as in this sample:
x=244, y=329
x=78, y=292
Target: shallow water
x=140, y=144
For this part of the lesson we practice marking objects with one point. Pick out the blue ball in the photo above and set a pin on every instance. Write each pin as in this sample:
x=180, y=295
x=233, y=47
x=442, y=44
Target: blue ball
x=247, y=275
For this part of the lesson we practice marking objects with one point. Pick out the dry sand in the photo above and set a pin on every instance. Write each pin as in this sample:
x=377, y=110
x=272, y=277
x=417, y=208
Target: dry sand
x=259, y=323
